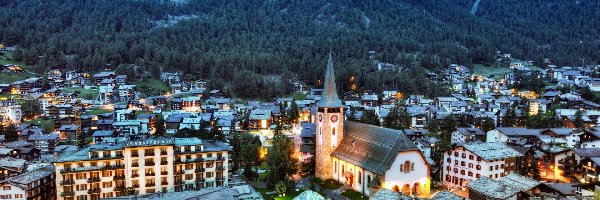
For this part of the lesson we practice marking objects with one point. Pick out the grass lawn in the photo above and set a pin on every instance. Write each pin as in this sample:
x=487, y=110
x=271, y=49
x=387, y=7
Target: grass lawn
x=45, y=124
x=299, y=96
x=354, y=195
x=289, y=196
x=331, y=184
x=152, y=87
x=89, y=94
x=96, y=111
x=498, y=72
x=9, y=77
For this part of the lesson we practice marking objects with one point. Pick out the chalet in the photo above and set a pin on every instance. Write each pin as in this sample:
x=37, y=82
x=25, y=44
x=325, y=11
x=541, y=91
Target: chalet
x=44, y=142
x=259, y=119
x=126, y=92
x=467, y=135
x=105, y=75
x=34, y=184
x=68, y=132
x=590, y=138
x=10, y=167
x=121, y=79
x=104, y=135
x=307, y=146
x=191, y=103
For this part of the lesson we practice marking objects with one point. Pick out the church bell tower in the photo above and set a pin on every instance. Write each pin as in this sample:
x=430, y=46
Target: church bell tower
x=330, y=124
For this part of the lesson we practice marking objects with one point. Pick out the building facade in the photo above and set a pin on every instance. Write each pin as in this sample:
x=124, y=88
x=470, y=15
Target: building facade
x=467, y=162
x=147, y=166
x=356, y=154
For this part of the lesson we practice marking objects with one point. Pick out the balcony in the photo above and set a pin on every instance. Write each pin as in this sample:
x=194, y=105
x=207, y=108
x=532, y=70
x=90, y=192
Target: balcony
x=221, y=158
x=164, y=162
x=119, y=178
x=67, y=182
x=179, y=172
x=164, y=173
x=189, y=161
x=135, y=164
x=150, y=164
x=149, y=154
x=94, y=191
x=200, y=169
x=220, y=168
x=164, y=183
x=150, y=184
x=93, y=180
x=178, y=182
x=150, y=174
x=119, y=188
x=136, y=185
x=135, y=155
x=200, y=180
x=67, y=194
x=163, y=153
x=135, y=175
x=117, y=166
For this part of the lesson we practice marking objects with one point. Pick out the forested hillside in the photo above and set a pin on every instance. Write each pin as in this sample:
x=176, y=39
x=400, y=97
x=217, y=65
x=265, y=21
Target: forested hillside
x=213, y=40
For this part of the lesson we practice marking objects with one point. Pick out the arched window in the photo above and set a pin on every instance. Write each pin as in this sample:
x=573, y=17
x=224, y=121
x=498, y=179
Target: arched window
x=406, y=166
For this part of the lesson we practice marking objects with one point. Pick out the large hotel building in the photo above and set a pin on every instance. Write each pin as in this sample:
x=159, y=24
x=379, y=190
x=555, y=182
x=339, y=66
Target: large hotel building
x=105, y=170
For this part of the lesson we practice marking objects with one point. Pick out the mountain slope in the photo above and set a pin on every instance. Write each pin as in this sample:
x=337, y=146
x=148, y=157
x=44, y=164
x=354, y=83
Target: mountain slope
x=214, y=39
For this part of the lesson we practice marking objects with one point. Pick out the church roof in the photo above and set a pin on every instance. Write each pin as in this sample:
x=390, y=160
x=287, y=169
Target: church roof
x=371, y=147
x=330, y=97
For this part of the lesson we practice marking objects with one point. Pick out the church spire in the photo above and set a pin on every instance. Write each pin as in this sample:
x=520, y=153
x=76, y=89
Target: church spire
x=330, y=97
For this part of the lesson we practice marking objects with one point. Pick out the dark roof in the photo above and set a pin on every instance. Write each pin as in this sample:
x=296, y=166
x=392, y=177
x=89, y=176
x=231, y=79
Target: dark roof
x=518, y=131
x=307, y=149
x=330, y=97
x=101, y=133
x=521, y=149
x=470, y=131
x=308, y=130
x=588, y=152
x=371, y=147
x=566, y=189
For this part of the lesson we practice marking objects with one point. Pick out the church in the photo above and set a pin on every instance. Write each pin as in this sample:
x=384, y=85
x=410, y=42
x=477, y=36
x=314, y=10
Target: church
x=356, y=154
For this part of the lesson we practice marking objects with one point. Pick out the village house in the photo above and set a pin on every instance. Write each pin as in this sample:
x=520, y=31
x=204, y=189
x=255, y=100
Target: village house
x=35, y=184
x=467, y=135
x=465, y=163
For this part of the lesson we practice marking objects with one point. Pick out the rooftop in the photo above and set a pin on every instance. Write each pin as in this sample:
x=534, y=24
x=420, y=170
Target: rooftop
x=492, y=151
x=492, y=188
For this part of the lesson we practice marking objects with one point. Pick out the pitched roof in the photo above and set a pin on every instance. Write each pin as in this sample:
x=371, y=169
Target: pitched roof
x=11, y=162
x=33, y=175
x=492, y=151
x=371, y=147
x=588, y=152
x=491, y=188
x=446, y=195
x=519, y=182
x=518, y=131
x=330, y=97
x=470, y=131
x=308, y=130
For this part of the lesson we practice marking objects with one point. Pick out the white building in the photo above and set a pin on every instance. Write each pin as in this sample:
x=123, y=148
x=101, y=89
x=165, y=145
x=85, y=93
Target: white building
x=467, y=162
x=10, y=112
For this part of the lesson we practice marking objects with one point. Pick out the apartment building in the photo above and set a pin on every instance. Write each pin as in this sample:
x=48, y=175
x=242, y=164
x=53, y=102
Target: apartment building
x=467, y=162
x=151, y=165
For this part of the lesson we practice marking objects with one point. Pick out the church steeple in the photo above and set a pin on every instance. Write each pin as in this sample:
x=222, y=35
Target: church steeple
x=330, y=97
